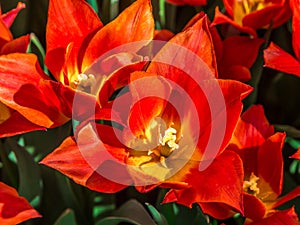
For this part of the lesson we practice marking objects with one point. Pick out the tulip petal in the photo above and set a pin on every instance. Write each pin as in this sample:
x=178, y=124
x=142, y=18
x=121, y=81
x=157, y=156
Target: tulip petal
x=217, y=210
x=14, y=209
x=68, y=21
x=9, y=17
x=251, y=202
x=84, y=159
x=5, y=34
x=238, y=50
x=17, y=124
x=188, y=2
x=284, y=217
x=252, y=129
x=296, y=155
x=135, y=23
x=295, y=27
x=271, y=172
x=194, y=39
x=278, y=59
x=221, y=182
x=17, y=45
x=221, y=19
x=289, y=196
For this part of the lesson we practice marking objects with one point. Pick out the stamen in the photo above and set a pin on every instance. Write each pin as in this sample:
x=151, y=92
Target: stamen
x=169, y=138
x=251, y=185
x=84, y=82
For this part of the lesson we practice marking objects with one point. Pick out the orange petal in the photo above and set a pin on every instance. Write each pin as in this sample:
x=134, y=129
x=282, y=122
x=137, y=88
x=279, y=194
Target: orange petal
x=84, y=160
x=17, y=124
x=196, y=38
x=14, y=209
x=135, y=23
x=68, y=22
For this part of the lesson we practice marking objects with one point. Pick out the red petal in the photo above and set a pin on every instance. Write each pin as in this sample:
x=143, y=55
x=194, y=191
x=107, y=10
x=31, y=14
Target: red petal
x=295, y=27
x=14, y=209
x=68, y=21
x=83, y=162
x=188, y=2
x=163, y=35
x=240, y=51
x=296, y=155
x=233, y=92
x=197, y=39
x=254, y=208
x=221, y=182
x=235, y=72
x=284, y=217
x=217, y=210
x=149, y=95
x=17, y=45
x=278, y=59
x=135, y=23
x=221, y=18
x=289, y=196
x=271, y=171
x=117, y=80
x=9, y=17
x=275, y=13
x=17, y=124
x=252, y=129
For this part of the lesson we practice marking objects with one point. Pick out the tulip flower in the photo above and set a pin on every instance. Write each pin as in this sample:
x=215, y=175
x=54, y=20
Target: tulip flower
x=276, y=58
x=73, y=41
x=247, y=16
x=14, y=209
x=255, y=142
x=153, y=138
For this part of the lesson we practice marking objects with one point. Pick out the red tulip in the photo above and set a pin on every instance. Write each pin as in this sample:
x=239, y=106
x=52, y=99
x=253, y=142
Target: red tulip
x=153, y=138
x=254, y=140
x=13, y=208
x=276, y=58
x=249, y=15
x=73, y=41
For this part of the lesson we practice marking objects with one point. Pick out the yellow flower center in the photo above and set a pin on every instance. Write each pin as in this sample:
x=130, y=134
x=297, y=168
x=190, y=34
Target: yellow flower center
x=244, y=7
x=84, y=82
x=158, y=144
x=250, y=186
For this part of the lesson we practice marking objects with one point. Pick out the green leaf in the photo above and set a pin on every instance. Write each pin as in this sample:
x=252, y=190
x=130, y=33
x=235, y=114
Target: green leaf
x=131, y=212
x=157, y=216
x=66, y=218
x=116, y=220
x=94, y=4
x=29, y=172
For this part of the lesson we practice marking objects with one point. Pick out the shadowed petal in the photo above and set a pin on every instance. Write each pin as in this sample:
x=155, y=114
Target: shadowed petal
x=278, y=59
x=14, y=209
